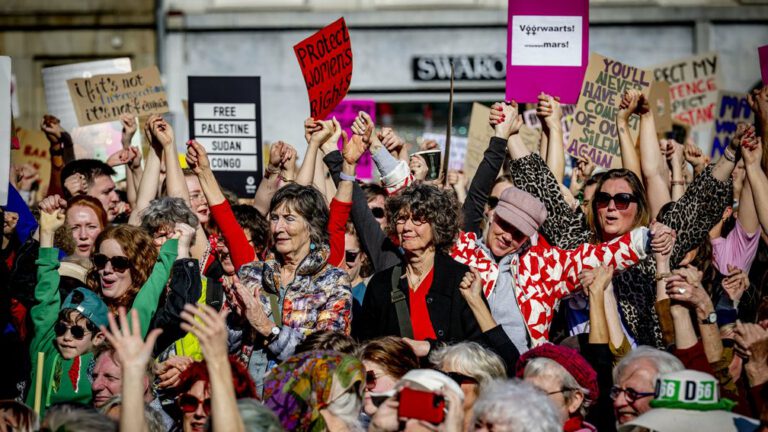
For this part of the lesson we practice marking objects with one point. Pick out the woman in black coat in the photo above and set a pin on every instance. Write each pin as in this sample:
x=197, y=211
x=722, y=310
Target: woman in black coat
x=425, y=286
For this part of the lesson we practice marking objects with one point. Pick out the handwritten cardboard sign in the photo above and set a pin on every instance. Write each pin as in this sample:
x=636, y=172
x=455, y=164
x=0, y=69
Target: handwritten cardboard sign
x=533, y=121
x=661, y=106
x=547, y=48
x=594, y=133
x=693, y=89
x=104, y=98
x=731, y=109
x=326, y=63
x=478, y=137
x=346, y=112
x=762, y=54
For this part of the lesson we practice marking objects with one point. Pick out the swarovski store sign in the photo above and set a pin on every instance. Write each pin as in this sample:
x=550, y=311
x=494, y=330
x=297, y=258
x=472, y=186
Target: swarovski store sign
x=478, y=67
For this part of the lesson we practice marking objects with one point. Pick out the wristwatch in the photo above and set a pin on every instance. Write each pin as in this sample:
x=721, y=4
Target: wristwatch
x=710, y=319
x=274, y=333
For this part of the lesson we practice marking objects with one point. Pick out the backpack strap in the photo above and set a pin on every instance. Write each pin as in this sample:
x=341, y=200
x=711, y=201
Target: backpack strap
x=401, y=306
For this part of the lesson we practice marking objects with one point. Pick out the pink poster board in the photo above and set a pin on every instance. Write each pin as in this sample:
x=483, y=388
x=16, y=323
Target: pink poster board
x=547, y=48
x=762, y=52
x=345, y=112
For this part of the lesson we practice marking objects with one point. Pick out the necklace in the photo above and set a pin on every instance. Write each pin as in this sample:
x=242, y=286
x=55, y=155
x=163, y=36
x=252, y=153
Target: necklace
x=419, y=279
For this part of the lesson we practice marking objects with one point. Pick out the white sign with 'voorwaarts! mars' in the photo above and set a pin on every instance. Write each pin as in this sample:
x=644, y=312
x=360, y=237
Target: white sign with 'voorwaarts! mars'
x=539, y=40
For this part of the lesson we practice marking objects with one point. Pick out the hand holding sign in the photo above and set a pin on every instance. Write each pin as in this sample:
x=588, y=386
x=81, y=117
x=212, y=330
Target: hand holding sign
x=326, y=63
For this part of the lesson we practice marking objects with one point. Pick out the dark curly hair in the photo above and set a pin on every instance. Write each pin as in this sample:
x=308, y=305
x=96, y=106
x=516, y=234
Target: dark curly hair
x=307, y=202
x=438, y=207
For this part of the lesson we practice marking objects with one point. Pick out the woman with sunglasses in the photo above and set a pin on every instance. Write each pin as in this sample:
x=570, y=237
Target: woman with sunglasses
x=128, y=271
x=386, y=360
x=621, y=204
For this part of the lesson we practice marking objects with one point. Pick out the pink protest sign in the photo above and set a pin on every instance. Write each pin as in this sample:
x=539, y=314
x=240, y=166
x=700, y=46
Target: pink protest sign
x=762, y=52
x=547, y=48
x=345, y=112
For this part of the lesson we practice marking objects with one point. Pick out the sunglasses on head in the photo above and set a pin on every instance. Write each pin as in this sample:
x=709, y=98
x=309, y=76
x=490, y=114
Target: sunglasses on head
x=493, y=202
x=620, y=200
x=189, y=404
x=119, y=263
x=461, y=378
x=378, y=212
x=351, y=256
x=78, y=332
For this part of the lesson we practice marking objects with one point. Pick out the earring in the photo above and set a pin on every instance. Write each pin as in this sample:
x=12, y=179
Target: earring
x=312, y=246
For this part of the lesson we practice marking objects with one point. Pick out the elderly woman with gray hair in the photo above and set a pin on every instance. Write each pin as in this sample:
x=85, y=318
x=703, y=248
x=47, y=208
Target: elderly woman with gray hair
x=566, y=378
x=296, y=293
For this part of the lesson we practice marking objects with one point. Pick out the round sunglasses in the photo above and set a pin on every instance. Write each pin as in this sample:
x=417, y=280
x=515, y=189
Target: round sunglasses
x=188, y=404
x=78, y=332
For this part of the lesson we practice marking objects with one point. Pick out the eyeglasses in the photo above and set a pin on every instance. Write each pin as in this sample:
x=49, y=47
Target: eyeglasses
x=621, y=200
x=493, y=202
x=370, y=380
x=189, y=404
x=351, y=256
x=78, y=332
x=461, y=378
x=378, y=212
x=119, y=263
x=403, y=219
x=632, y=395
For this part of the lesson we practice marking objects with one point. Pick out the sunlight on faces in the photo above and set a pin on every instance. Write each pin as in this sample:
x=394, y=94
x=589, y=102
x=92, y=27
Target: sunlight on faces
x=384, y=383
x=615, y=222
x=413, y=232
x=114, y=284
x=550, y=385
x=103, y=189
x=107, y=379
x=85, y=227
x=225, y=258
x=470, y=388
x=289, y=230
x=639, y=376
x=195, y=421
x=197, y=199
x=69, y=346
x=503, y=238
x=495, y=193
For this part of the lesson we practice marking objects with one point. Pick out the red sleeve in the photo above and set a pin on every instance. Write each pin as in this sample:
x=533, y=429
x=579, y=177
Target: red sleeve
x=337, y=226
x=694, y=358
x=239, y=249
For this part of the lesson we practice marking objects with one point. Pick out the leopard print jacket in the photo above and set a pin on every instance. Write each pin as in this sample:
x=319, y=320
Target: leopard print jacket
x=697, y=211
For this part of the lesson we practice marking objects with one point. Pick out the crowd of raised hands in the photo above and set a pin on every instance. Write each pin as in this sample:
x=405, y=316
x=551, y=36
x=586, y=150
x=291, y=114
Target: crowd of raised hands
x=543, y=293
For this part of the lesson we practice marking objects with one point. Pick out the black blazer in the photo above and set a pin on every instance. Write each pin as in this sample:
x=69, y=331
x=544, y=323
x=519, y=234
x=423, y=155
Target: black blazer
x=451, y=318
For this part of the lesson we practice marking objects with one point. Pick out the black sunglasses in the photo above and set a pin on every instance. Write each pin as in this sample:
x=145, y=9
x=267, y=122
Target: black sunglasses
x=370, y=380
x=189, y=403
x=378, y=212
x=119, y=263
x=461, y=378
x=621, y=200
x=493, y=202
x=351, y=256
x=78, y=332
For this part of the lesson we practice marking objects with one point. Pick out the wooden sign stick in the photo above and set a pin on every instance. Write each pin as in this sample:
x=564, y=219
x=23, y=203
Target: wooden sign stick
x=447, y=155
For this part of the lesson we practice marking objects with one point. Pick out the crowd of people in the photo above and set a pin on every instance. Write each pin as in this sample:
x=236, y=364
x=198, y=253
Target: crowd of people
x=516, y=300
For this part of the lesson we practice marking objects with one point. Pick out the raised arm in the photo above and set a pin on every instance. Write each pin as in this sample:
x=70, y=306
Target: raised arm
x=342, y=202
x=758, y=101
x=133, y=172
x=551, y=115
x=322, y=130
x=677, y=166
x=51, y=126
x=270, y=183
x=629, y=157
x=654, y=164
x=752, y=150
x=685, y=288
x=150, y=178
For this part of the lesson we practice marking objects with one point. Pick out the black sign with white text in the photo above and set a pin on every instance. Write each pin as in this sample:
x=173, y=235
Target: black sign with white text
x=478, y=67
x=225, y=118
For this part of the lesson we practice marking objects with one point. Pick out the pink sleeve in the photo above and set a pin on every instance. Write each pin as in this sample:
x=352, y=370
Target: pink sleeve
x=738, y=249
x=337, y=226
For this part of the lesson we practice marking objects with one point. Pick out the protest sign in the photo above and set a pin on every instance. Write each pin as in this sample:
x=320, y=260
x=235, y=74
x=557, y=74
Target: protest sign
x=693, y=90
x=225, y=118
x=104, y=98
x=762, y=54
x=458, y=148
x=732, y=109
x=346, y=112
x=5, y=127
x=594, y=133
x=432, y=159
x=326, y=63
x=547, y=48
x=661, y=106
x=478, y=138
x=96, y=141
x=34, y=150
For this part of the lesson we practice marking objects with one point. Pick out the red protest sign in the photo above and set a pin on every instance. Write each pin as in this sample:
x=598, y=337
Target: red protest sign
x=326, y=63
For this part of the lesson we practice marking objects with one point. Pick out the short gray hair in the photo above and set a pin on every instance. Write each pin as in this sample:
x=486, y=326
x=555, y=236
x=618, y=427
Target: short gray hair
x=167, y=211
x=258, y=417
x=71, y=418
x=543, y=366
x=152, y=417
x=662, y=360
x=471, y=359
x=516, y=406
